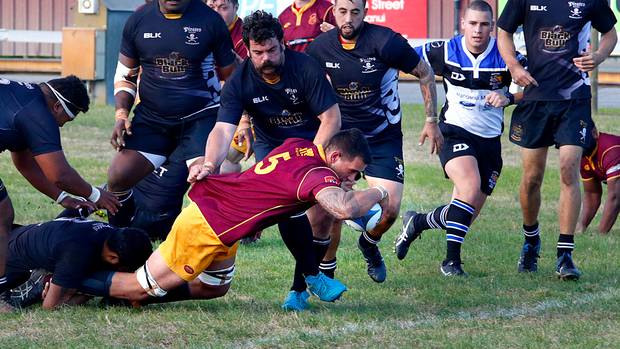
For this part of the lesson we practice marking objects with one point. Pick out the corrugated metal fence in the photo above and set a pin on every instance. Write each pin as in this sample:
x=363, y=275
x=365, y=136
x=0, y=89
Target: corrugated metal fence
x=34, y=15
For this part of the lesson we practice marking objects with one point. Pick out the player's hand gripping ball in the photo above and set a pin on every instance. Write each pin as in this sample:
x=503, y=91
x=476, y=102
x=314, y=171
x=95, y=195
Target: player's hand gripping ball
x=366, y=222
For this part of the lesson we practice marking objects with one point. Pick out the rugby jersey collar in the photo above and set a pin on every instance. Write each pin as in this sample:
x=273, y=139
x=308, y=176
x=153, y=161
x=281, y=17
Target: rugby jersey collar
x=300, y=12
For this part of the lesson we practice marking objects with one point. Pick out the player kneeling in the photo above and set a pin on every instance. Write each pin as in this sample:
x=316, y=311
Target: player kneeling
x=197, y=260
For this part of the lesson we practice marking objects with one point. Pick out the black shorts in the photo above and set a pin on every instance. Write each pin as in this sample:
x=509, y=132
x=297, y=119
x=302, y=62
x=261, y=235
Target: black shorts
x=3, y=193
x=187, y=137
x=540, y=124
x=387, y=157
x=261, y=149
x=487, y=151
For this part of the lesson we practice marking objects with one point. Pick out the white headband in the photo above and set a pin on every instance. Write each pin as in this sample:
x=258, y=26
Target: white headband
x=62, y=101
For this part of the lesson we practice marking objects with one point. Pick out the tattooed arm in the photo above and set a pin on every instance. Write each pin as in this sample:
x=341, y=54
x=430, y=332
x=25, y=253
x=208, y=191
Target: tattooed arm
x=348, y=204
x=429, y=92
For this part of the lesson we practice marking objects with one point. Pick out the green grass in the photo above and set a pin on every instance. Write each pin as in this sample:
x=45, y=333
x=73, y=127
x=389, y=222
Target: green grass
x=416, y=307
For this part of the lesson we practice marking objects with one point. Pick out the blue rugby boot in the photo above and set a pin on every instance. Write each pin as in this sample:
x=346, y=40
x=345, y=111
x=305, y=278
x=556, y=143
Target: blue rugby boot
x=328, y=290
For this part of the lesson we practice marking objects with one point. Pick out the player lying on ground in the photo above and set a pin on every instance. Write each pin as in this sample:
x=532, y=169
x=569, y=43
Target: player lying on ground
x=601, y=165
x=30, y=118
x=71, y=249
x=197, y=260
x=476, y=81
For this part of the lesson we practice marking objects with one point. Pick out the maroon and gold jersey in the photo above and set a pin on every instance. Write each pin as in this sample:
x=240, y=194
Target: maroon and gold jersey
x=285, y=183
x=236, y=34
x=302, y=25
x=603, y=163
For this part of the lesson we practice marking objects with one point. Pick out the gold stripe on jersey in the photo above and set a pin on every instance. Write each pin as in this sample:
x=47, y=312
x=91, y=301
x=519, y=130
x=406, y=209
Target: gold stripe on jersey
x=173, y=15
x=299, y=13
x=306, y=175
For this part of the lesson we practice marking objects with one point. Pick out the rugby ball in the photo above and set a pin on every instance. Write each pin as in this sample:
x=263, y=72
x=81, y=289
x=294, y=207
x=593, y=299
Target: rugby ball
x=366, y=222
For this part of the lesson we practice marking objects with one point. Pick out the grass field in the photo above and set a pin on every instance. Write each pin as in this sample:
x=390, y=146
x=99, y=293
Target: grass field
x=416, y=307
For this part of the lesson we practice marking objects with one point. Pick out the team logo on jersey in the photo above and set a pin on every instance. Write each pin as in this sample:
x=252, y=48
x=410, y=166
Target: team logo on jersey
x=496, y=80
x=191, y=39
x=188, y=269
x=554, y=39
x=172, y=64
x=368, y=65
x=191, y=30
x=292, y=95
x=330, y=179
x=313, y=19
x=99, y=226
x=287, y=119
x=493, y=179
x=152, y=35
x=262, y=99
x=457, y=76
x=304, y=151
x=575, y=8
x=400, y=168
x=286, y=25
x=586, y=167
x=516, y=132
x=459, y=147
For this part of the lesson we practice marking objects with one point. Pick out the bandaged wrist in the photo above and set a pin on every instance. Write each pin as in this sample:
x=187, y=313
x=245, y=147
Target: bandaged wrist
x=382, y=190
x=63, y=195
x=95, y=194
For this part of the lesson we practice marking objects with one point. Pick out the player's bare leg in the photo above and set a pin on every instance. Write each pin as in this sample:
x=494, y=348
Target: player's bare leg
x=368, y=241
x=533, y=162
x=128, y=167
x=570, y=204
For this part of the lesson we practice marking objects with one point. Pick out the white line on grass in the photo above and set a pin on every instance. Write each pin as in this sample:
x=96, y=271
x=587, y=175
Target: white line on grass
x=425, y=320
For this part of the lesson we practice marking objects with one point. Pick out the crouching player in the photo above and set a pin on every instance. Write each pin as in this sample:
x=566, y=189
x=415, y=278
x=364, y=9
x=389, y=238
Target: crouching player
x=197, y=260
x=71, y=249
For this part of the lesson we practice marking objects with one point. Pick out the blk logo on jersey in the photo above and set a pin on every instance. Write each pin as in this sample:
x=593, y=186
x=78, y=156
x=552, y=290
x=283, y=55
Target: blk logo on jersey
x=152, y=35
x=262, y=99
x=538, y=8
x=332, y=65
x=459, y=147
x=576, y=11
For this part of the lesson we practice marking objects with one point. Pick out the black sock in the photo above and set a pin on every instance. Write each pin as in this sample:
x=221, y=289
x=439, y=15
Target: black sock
x=458, y=219
x=531, y=233
x=367, y=241
x=296, y=233
x=566, y=244
x=329, y=267
x=125, y=213
x=179, y=293
x=436, y=219
x=320, y=248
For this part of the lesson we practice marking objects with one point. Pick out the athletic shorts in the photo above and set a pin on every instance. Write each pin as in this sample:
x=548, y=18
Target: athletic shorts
x=3, y=193
x=487, y=151
x=387, y=157
x=540, y=124
x=189, y=137
x=192, y=245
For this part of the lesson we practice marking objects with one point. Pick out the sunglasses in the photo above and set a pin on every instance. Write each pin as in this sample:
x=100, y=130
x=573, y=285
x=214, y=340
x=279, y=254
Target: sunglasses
x=63, y=102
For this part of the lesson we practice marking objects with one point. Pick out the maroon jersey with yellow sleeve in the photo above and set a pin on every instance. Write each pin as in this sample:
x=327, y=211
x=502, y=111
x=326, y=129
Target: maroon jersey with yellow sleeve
x=302, y=25
x=236, y=34
x=603, y=163
x=286, y=182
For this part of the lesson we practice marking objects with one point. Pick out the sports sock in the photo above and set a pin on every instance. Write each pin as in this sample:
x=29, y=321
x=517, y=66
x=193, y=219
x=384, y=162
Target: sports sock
x=531, y=233
x=367, y=241
x=329, y=267
x=320, y=247
x=179, y=293
x=296, y=233
x=125, y=213
x=566, y=244
x=458, y=219
x=436, y=219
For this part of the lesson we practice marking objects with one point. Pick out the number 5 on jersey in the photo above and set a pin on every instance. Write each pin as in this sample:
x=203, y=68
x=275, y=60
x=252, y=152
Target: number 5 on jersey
x=262, y=168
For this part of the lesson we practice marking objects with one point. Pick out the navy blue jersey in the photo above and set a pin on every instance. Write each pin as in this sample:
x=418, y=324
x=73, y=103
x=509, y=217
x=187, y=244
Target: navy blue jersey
x=467, y=80
x=555, y=33
x=171, y=53
x=69, y=248
x=25, y=120
x=366, y=77
x=286, y=109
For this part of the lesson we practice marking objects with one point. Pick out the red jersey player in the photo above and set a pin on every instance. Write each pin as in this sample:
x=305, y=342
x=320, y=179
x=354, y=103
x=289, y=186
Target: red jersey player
x=602, y=165
x=228, y=10
x=304, y=20
x=197, y=259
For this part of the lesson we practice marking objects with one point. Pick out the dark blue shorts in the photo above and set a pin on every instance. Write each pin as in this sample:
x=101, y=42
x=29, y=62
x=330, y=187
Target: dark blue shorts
x=541, y=124
x=387, y=157
x=3, y=193
x=487, y=151
x=187, y=138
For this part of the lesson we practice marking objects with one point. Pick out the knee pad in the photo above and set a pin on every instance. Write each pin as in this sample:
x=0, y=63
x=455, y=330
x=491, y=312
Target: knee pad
x=217, y=277
x=148, y=283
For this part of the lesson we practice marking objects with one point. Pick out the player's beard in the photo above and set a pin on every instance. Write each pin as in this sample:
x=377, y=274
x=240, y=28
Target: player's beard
x=352, y=34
